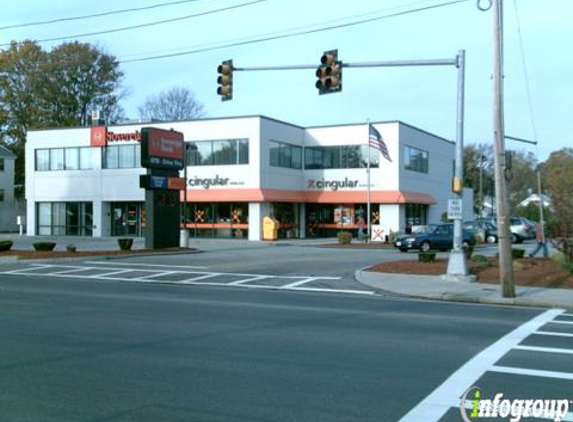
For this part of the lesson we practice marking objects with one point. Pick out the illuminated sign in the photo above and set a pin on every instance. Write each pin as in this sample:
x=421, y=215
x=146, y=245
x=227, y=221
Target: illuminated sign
x=100, y=136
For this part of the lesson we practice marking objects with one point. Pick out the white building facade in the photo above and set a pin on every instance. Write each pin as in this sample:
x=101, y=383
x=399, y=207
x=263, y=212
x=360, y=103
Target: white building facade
x=314, y=181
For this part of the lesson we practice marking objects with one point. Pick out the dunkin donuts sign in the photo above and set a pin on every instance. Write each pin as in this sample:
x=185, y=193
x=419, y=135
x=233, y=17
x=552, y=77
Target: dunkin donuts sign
x=100, y=136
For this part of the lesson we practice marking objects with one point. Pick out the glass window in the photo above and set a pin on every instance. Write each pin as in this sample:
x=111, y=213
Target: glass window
x=110, y=158
x=72, y=158
x=221, y=152
x=126, y=156
x=57, y=159
x=342, y=156
x=85, y=158
x=44, y=218
x=416, y=159
x=285, y=155
x=42, y=159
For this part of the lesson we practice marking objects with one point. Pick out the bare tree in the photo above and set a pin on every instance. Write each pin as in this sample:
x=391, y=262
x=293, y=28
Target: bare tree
x=175, y=104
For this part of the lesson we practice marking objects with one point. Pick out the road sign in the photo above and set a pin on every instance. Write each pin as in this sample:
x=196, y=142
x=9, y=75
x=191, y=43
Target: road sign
x=454, y=209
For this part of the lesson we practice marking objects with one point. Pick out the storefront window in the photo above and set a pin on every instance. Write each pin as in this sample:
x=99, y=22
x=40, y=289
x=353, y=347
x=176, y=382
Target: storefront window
x=224, y=219
x=65, y=218
x=416, y=214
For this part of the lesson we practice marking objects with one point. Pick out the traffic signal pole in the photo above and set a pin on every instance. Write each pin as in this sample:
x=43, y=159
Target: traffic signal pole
x=457, y=266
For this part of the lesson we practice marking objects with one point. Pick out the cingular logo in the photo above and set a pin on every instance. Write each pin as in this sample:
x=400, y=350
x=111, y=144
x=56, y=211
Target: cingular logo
x=208, y=182
x=334, y=185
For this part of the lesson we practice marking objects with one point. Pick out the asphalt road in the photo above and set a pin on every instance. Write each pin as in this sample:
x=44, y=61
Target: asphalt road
x=107, y=341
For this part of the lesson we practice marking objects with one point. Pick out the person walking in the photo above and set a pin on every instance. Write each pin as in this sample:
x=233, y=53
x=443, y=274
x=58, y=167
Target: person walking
x=541, y=241
x=361, y=227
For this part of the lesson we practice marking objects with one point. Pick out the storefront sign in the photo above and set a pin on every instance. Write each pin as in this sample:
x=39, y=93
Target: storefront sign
x=162, y=149
x=147, y=181
x=208, y=182
x=99, y=136
x=324, y=184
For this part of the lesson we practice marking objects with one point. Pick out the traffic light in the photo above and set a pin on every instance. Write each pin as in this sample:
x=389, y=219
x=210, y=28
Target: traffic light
x=329, y=73
x=225, y=80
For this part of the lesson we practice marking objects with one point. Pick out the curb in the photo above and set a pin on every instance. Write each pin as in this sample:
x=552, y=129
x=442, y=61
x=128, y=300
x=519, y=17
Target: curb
x=461, y=298
x=12, y=259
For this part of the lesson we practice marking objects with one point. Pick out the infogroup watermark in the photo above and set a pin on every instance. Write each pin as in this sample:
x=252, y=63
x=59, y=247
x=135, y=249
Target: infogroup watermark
x=513, y=410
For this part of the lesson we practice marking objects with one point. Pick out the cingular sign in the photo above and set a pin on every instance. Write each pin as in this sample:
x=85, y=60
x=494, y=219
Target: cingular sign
x=323, y=184
x=208, y=182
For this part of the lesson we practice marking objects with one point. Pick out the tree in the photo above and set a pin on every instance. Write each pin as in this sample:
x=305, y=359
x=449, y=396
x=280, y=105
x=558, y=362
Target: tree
x=557, y=178
x=478, y=172
x=57, y=88
x=81, y=79
x=175, y=104
x=522, y=180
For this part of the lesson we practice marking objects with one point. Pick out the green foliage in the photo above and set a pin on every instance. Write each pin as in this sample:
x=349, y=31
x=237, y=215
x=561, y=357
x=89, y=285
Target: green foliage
x=568, y=266
x=558, y=257
x=557, y=179
x=531, y=212
x=517, y=253
x=480, y=260
x=427, y=257
x=517, y=266
x=53, y=89
x=478, y=171
x=44, y=246
x=393, y=236
x=125, y=243
x=344, y=238
x=5, y=245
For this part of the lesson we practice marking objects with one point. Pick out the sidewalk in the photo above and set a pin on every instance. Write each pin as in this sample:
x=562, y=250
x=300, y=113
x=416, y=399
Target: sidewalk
x=435, y=288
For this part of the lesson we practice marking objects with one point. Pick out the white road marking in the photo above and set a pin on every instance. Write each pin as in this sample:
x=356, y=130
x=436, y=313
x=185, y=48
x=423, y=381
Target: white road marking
x=246, y=280
x=532, y=372
x=562, y=322
x=544, y=349
x=113, y=272
x=435, y=406
x=553, y=333
x=146, y=265
x=299, y=283
x=319, y=289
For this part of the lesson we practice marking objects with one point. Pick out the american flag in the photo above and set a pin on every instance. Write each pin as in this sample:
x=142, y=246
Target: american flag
x=375, y=140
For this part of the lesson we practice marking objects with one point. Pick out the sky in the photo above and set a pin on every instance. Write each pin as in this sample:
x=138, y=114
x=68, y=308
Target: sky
x=538, y=62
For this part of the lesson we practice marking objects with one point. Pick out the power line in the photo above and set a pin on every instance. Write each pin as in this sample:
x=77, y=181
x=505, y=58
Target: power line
x=303, y=27
x=95, y=15
x=127, y=28
x=295, y=34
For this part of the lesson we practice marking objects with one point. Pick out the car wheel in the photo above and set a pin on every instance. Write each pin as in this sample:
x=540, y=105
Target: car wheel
x=514, y=238
x=425, y=246
x=403, y=249
x=491, y=239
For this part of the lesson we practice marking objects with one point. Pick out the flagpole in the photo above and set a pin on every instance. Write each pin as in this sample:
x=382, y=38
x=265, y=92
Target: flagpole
x=368, y=183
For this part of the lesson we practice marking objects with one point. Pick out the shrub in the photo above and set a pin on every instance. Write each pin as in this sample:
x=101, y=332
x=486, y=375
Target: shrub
x=426, y=256
x=44, y=246
x=517, y=253
x=480, y=260
x=393, y=236
x=568, y=266
x=71, y=248
x=517, y=266
x=469, y=250
x=558, y=257
x=125, y=243
x=344, y=238
x=5, y=245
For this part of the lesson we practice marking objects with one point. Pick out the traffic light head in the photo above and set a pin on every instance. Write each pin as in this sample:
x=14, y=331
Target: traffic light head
x=329, y=73
x=225, y=80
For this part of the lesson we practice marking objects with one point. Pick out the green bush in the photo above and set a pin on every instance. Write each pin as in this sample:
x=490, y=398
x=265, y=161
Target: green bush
x=393, y=236
x=558, y=257
x=517, y=253
x=469, y=250
x=44, y=246
x=125, y=243
x=480, y=260
x=426, y=256
x=5, y=245
x=344, y=238
x=568, y=266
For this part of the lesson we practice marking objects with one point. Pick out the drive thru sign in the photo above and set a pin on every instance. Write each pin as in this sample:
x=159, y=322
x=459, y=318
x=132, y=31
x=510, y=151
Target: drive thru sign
x=454, y=209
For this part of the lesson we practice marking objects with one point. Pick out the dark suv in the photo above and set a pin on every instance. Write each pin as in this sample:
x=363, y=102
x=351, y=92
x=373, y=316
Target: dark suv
x=442, y=238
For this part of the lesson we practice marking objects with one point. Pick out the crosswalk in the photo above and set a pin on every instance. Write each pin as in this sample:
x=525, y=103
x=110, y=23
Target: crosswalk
x=186, y=275
x=519, y=362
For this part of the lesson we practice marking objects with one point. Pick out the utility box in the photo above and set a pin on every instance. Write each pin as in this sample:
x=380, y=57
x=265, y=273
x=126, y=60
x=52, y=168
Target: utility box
x=270, y=228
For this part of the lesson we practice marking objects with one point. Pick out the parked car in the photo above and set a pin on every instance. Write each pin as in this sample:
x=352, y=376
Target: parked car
x=521, y=229
x=441, y=238
x=483, y=228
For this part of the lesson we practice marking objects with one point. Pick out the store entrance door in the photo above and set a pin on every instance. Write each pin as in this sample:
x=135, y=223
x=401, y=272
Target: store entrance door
x=126, y=219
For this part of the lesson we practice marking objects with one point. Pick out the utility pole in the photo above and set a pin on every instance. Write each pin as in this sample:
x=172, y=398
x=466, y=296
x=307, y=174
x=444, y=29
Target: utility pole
x=504, y=235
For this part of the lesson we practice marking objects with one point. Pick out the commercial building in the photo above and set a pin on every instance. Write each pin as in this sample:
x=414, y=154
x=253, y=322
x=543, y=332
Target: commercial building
x=10, y=207
x=314, y=181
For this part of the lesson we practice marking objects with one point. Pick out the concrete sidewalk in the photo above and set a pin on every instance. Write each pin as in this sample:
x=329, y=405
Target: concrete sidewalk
x=435, y=288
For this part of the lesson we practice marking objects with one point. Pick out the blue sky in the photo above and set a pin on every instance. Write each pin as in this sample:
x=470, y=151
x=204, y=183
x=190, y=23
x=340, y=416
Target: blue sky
x=422, y=96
